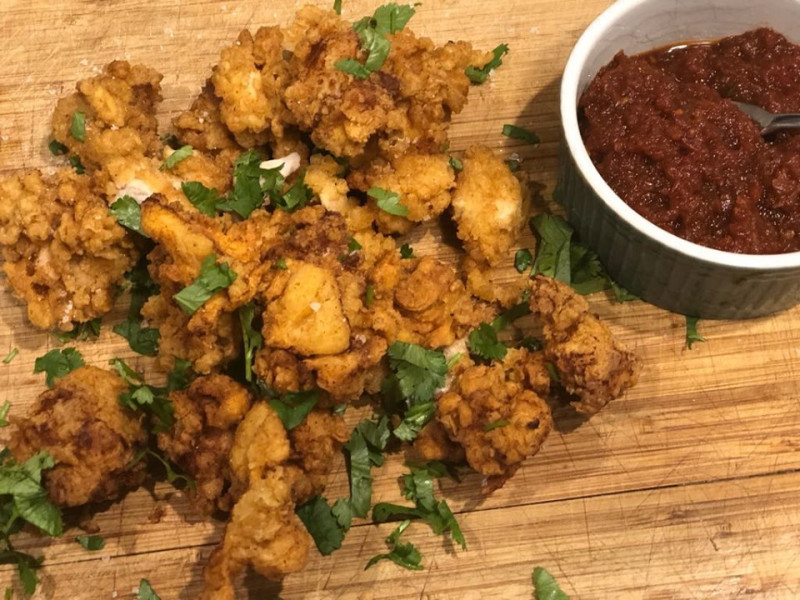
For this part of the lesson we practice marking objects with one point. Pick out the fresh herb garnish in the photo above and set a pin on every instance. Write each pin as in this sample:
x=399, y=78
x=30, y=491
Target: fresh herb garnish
x=545, y=586
x=479, y=76
x=522, y=260
x=520, y=133
x=142, y=340
x=78, y=127
x=414, y=420
x=337, y=6
x=281, y=265
x=177, y=156
x=293, y=407
x=80, y=332
x=252, y=339
x=212, y=278
x=495, y=424
x=353, y=245
x=57, y=148
x=58, y=363
x=456, y=164
x=4, y=414
x=388, y=201
x=322, y=524
x=406, y=251
x=692, y=334
x=295, y=197
x=146, y=591
x=172, y=475
x=364, y=450
x=250, y=184
x=483, y=341
x=513, y=164
x=91, y=542
x=10, y=356
x=369, y=295
x=352, y=67
x=76, y=164
x=202, y=198
x=405, y=555
x=127, y=211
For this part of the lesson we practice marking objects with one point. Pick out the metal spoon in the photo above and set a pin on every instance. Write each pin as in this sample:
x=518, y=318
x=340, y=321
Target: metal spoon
x=769, y=122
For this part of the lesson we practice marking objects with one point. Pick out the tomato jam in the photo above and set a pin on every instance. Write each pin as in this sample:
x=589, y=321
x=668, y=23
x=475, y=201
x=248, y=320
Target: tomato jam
x=661, y=131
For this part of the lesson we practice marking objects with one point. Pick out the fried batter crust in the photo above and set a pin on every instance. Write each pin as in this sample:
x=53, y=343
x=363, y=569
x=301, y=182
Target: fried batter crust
x=591, y=364
x=92, y=437
x=63, y=252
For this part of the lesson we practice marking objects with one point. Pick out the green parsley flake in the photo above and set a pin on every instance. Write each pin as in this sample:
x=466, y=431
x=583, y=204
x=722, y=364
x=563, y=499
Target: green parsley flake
x=92, y=543
x=520, y=133
x=142, y=340
x=545, y=586
x=522, y=260
x=202, y=198
x=57, y=148
x=337, y=6
x=364, y=450
x=353, y=245
x=127, y=211
x=414, y=421
x=80, y=332
x=4, y=414
x=76, y=164
x=78, y=127
x=369, y=296
x=293, y=407
x=322, y=524
x=479, y=76
x=212, y=278
x=252, y=338
x=146, y=591
x=281, y=265
x=406, y=251
x=483, y=341
x=58, y=363
x=352, y=67
x=456, y=164
x=416, y=372
x=692, y=335
x=495, y=424
x=388, y=201
x=405, y=555
x=177, y=156
x=10, y=356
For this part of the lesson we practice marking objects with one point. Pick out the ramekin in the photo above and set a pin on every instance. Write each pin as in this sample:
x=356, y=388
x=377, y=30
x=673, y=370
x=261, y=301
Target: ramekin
x=654, y=264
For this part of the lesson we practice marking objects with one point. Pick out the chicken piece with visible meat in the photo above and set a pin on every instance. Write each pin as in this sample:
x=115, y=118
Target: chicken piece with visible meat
x=92, y=437
x=64, y=254
x=498, y=413
x=325, y=178
x=201, y=437
x=591, y=364
x=490, y=206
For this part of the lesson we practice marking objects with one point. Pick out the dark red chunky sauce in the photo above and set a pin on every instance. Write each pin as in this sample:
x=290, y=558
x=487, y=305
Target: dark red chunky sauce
x=662, y=133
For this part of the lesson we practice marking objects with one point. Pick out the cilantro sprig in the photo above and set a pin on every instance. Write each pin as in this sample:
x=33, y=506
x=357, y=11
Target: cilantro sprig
x=127, y=211
x=483, y=341
x=141, y=339
x=405, y=554
x=323, y=526
x=57, y=363
x=388, y=201
x=202, y=198
x=479, y=76
x=212, y=278
x=545, y=586
x=176, y=157
x=80, y=332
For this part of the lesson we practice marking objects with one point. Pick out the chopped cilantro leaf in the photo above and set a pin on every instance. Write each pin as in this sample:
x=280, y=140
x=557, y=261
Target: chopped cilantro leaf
x=352, y=67
x=322, y=524
x=456, y=164
x=58, y=363
x=483, y=341
x=513, y=164
x=152, y=400
x=416, y=372
x=479, y=76
x=545, y=586
x=4, y=414
x=57, y=148
x=621, y=294
x=369, y=295
x=172, y=475
x=129, y=213
x=80, y=332
x=414, y=420
x=406, y=251
x=76, y=164
x=251, y=337
x=78, y=127
x=522, y=260
x=495, y=424
x=202, y=198
x=343, y=511
x=177, y=156
x=91, y=542
x=531, y=343
x=281, y=265
x=692, y=334
x=146, y=591
x=552, y=371
x=293, y=407
x=10, y=356
x=212, y=278
x=142, y=340
x=405, y=555
x=295, y=197
x=388, y=201
x=337, y=6
x=339, y=410
x=353, y=245
x=520, y=133
x=364, y=450
x=23, y=482
x=553, y=251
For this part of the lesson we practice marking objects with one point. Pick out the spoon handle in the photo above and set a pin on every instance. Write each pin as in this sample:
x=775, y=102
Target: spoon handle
x=781, y=122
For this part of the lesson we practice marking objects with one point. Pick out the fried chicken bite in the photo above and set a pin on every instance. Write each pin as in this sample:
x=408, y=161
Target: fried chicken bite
x=490, y=206
x=64, y=254
x=349, y=375
x=202, y=127
x=207, y=414
x=497, y=413
x=249, y=82
x=325, y=177
x=591, y=364
x=92, y=437
x=423, y=182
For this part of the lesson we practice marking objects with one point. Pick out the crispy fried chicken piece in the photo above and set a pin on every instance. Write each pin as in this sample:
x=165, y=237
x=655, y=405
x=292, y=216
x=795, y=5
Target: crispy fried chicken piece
x=423, y=182
x=201, y=126
x=433, y=443
x=325, y=177
x=264, y=533
x=201, y=438
x=497, y=413
x=92, y=437
x=490, y=206
x=249, y=81
x=591, y=364
x=349, y=375
x=63, y=252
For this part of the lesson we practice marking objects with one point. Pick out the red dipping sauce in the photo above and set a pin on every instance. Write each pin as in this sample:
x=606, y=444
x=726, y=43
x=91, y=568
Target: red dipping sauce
x=662, y=133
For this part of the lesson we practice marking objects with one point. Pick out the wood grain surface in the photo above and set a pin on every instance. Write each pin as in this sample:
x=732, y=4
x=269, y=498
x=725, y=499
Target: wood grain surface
x=688, y=487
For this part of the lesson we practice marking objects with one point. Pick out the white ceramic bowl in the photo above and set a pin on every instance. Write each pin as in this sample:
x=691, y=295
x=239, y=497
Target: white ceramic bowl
x=658, y=266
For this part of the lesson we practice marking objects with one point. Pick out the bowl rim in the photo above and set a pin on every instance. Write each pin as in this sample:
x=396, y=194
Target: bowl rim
x=570, y=83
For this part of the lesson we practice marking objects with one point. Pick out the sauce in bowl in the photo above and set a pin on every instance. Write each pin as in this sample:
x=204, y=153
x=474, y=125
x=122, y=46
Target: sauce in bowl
x=661, y=131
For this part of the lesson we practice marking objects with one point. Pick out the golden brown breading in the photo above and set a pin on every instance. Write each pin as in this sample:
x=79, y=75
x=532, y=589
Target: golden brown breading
x=495, y=414
x=92, y=437
x=249, y=81
x=433, y=443
x=201, y=126
x=325, y=178
x=489, y=206
x=119, y=105
x=263, y=532
x=200, y=440
x=349, y=375
x=591, y=364
x=423, y=182
x=63, y=252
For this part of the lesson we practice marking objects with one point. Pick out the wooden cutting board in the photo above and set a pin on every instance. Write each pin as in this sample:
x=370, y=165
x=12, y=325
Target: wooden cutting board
x=689, y=487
